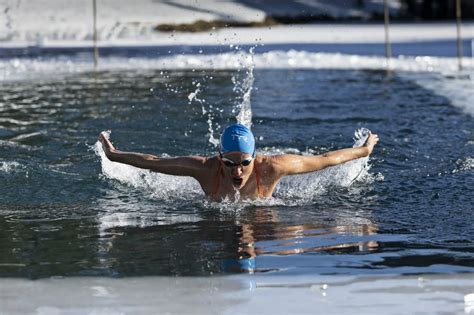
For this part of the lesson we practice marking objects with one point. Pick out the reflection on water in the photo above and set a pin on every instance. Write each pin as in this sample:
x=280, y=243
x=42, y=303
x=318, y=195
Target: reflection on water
x=231, y=246
x=259, y=239
x=199, y=243
x=269, y=237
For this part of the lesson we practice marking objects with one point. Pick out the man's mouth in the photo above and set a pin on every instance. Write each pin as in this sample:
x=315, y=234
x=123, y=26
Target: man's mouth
x=237, y=181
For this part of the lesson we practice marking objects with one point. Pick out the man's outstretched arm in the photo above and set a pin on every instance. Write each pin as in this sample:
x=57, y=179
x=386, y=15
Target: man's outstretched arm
x=181, y=166
x=289, y=164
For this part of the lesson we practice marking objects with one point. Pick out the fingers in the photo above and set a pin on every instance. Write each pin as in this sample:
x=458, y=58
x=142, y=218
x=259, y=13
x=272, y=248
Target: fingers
x=103, y=136
x=374, y=139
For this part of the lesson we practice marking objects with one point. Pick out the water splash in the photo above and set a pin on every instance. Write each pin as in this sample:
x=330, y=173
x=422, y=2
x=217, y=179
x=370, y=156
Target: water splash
x=307, y=187
x=360, y=137
x=244, y=88
x=193, y=97
x=158, y=185
x=464, y=164
x=9, y=167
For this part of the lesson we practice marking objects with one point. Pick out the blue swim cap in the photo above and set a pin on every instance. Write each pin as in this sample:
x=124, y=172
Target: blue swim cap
x=237, y=138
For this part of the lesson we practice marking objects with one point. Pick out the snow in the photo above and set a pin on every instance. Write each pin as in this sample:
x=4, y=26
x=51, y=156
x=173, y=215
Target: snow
x=61, y=23
x=244, y=294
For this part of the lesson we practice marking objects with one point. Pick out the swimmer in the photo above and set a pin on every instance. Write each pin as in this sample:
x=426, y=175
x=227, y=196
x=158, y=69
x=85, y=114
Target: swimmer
x=237, y=166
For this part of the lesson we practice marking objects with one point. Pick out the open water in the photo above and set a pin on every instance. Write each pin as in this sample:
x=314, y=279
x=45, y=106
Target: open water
x=67, y=211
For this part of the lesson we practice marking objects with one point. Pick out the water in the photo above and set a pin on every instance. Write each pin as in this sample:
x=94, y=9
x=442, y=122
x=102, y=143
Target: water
x=66, y=212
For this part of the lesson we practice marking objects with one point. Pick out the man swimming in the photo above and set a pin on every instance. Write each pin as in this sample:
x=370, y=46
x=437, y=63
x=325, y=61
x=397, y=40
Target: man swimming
x=237, y=166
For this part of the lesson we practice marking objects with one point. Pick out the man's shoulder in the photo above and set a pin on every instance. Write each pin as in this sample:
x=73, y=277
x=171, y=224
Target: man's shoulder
x=267, y=159
x=268, y=168
x=274, y=164
x=266, y=162
x=196, y=162
x=207, y=162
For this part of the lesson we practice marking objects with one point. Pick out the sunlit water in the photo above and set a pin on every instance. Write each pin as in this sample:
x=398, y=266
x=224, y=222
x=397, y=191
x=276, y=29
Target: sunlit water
x=67, y=211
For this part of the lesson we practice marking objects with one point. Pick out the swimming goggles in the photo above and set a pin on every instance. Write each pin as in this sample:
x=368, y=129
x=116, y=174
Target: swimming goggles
x=230, y=163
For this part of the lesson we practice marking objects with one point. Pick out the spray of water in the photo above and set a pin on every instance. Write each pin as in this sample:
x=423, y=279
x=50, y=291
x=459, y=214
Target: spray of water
x=8, y=167
x=157, y=185
x=464, y=165
x=307, y=187
x=243, y=85
x=193, y=97
x=244, y=88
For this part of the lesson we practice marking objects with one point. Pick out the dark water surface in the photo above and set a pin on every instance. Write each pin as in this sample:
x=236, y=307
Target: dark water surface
x=59, y=216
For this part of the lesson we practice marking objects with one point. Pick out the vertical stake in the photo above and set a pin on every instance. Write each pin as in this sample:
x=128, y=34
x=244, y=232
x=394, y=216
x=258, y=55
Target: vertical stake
x=388, y=47
x=96, y=50
x=458, y=34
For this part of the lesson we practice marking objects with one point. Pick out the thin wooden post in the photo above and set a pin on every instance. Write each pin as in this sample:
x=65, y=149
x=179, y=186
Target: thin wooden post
x=96, y=50
x=458, y=34
x=388, y=46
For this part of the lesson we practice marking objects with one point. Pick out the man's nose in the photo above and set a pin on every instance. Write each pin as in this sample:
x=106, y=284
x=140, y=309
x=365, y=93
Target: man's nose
x=237, y=171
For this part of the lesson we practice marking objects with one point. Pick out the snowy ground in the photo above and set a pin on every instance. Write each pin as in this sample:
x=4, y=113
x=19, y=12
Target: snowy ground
x=287, y=34
x=53, y=24
x=34, y=21
x=123, y=25
x=423, y=294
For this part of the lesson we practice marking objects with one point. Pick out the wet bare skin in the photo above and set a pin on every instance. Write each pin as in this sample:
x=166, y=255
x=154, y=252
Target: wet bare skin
x=219, y=181
x=240, y=178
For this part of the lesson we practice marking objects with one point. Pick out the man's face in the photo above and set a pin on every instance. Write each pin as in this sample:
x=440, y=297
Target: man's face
x=238, y=166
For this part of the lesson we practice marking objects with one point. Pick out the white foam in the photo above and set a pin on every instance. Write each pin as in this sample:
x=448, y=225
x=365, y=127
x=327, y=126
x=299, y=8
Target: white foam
x=464, y=164
x=9, y=167
x=17, y=69
x=308, y=186
x=158, y=185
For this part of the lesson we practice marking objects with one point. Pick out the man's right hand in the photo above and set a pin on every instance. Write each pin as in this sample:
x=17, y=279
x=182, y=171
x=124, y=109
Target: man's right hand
x=106, y=144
